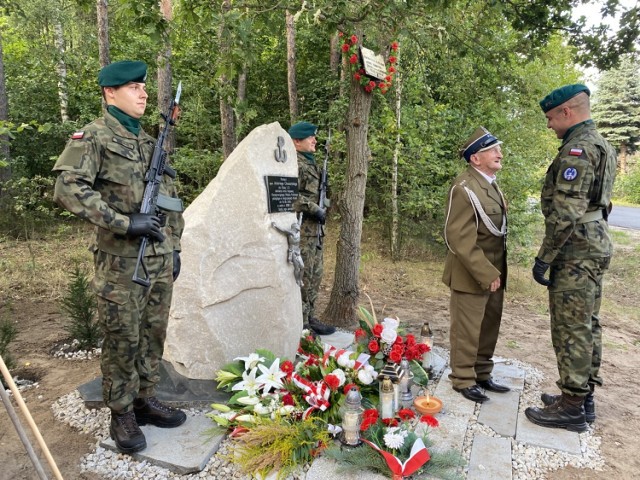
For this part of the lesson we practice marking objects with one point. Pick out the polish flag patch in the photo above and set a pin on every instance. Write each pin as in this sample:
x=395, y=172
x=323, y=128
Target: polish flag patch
x=77, y=135
x=576, y=152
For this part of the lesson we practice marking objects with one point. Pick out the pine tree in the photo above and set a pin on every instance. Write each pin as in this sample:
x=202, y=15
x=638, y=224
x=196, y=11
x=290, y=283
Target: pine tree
x=616, y=108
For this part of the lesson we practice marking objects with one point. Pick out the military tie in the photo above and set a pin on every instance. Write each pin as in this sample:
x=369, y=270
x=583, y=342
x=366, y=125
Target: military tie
x=503, y=202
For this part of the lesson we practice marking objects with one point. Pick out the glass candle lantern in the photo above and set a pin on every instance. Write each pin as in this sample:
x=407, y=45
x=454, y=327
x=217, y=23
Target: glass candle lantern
x=386, y=398
x=351, y=413
x=426, y=337
x=406, y=397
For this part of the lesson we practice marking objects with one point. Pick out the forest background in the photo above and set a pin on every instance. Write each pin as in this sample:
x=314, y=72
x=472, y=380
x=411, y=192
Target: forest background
x=458, y=65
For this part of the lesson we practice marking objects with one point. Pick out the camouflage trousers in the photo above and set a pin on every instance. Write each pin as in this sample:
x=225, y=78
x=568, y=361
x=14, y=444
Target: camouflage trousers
x=313, y=270
x=575, y=295
x=134, y=321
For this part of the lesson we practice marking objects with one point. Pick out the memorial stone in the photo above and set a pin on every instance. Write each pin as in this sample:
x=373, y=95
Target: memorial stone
x=237, y=292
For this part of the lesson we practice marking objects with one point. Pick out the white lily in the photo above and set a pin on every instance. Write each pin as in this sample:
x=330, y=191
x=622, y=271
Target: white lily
x=261, y=409
x=271, y=377
x=248, y=400
x=251, y=361
x=245, y=418
x=248, y=383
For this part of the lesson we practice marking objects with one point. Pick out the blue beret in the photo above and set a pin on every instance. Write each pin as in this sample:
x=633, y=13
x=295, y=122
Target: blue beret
x=119, y=73
x=479, y=141
x=303, y=130
x=561, y=95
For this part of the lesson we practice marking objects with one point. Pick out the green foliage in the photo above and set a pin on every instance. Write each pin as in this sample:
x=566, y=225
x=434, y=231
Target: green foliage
x=8, y=333
x=79, y=303
x=196, y=168
x=627, y=187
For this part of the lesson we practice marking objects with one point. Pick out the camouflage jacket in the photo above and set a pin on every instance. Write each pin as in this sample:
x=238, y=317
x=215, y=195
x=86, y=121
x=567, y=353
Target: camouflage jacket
x=578, y=181
x=309, y=177
x=101, y=179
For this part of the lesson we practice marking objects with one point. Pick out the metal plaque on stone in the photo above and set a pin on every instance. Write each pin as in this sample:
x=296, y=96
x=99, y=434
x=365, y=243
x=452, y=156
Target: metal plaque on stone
x=373, y=64
x=281, y=193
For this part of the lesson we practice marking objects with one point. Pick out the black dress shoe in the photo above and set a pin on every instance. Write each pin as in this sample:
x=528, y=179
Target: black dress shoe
x=321, y=328
x=493, y=386
x=473, y=393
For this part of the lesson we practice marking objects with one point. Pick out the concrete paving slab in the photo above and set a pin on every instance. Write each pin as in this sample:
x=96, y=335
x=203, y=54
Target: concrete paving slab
x=173, y=388
x=184, y=449
x=339, y=339
x=328, y=469
x=490, y=458
x=555, y=438
x=506, y=373
x=501, y=412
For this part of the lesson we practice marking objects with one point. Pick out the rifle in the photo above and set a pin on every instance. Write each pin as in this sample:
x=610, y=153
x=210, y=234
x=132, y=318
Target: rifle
x=323, y=189
x=152, y=200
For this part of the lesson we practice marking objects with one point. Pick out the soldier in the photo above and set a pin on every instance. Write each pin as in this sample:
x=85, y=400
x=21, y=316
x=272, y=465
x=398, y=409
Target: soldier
x=101, y=179
x=575, y=202
x=476, y=266
x=309, y=176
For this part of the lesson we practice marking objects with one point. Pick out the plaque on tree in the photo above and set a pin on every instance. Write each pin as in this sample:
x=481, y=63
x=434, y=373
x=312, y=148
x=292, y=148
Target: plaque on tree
x=373, y=64
x=281, y=193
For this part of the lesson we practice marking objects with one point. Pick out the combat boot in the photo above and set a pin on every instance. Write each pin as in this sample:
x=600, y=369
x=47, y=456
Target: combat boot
x=589, y=404
x=151, y=411
x=126, y=433
x=567, y=412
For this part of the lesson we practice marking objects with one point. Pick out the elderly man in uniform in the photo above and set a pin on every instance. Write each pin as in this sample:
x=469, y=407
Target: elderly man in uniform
x=577, y=249
x=101, y=179
x=303, y=135
x=476, y=266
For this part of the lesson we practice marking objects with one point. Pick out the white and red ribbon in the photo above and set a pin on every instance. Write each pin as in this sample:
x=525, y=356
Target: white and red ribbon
x=317, y=394
x=419, y=456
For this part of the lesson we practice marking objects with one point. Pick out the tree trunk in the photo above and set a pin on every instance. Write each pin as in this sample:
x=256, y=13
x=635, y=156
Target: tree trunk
x=226, y=106
x=242, y=97
x=165, y=77
x=291, y=67
x=61, y=68
x=343, y=302
x=102, y=13
x=394, y=172
x=622, y=159
x=5, y=152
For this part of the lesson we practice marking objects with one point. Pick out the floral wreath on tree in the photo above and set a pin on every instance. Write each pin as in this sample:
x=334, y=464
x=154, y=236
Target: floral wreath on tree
x=350, y=51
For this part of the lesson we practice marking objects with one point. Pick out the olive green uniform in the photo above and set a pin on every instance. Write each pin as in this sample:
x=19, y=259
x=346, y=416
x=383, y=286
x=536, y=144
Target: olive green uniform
x=101, y=179
x=476, y=257
x=575, y=197
x=309, y=179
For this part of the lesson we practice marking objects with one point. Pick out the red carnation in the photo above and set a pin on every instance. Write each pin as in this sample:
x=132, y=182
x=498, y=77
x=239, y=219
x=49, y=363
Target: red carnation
x=287, y=367
x=345, y=47
x=390, y=422
x=333, y=381
x=391, y=69
x=354, y=39
x=388, y=78
x=423, y=348
x=348, y=387
x=287, y=399
x=370, y=413
x=429, y=420
x=394, y=46
x=341, y=34
x=357, y=77
x=361, y=71
x=406, y=414
x=410, y=339
x=395, y=356
x=373, y=84
x=373, y=344
x=353, y=59
x=377, y=328
x=368, y=88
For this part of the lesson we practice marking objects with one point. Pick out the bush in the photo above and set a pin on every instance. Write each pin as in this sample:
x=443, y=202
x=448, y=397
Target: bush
x=627, y=187
x=80, y=304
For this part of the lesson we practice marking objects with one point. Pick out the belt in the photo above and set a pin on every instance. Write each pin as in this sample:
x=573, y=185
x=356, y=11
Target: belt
x=590, y=217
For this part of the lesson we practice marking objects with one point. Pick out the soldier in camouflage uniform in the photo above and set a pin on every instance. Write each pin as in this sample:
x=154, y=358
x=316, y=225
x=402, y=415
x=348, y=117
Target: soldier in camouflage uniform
x=101, y=179
x=577, y=248
x=309, y=178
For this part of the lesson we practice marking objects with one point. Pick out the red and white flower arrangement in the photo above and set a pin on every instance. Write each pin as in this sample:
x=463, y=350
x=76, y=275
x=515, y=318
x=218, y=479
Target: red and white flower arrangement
x=350, y=50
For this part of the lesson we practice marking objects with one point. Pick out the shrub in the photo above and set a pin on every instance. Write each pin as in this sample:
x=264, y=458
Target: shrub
x=8, y=333
x=80, y=304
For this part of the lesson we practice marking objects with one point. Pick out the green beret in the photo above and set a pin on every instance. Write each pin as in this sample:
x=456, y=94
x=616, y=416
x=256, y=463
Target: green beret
x=119, y=73
x=479, y=141
x=561, y=95
x=303, y=130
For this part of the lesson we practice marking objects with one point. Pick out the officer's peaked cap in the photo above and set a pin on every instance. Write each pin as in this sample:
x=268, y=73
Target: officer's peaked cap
x=479, y=141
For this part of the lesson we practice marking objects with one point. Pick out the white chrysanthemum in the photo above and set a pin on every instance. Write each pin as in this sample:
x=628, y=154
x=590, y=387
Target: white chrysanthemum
x=393, y=440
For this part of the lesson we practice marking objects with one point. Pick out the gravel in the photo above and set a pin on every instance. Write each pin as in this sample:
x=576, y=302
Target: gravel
x=528, y=462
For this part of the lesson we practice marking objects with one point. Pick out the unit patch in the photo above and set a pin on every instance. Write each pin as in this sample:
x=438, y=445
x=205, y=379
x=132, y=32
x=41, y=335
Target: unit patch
x=570, y=174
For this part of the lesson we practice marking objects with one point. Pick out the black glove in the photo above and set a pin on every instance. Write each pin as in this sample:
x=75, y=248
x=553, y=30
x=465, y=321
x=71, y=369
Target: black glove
x=539, y=269
x=319, y=215
x=176, y=264
x=145, y=224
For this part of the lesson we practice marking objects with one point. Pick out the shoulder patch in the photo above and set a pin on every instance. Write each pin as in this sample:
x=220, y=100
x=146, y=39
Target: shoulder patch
x=77, y=135
x=570, y=173
x=576, y=152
